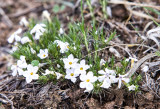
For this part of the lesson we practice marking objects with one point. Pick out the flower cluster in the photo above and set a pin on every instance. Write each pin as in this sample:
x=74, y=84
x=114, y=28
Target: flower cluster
x=64, y=46
x=106, y=77
x=27, y=70
x=44, y=54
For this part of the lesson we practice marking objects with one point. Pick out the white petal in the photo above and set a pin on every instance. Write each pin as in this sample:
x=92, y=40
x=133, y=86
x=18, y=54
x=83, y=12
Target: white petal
x=25, y=74
x=89, y=86
x=20, y=71
x=25, y=40
x=106, y=84
x=13, y=67
x=83, y=77
x=18, y=31
x=11, y=39
x=35, y=69
x=35, y=76
x=29, y=67
x=102, y=72
x=119, y=84
x=14, y=73
x=132, y=87
x=17, y=38
x=113, y=79
x=82, y=84
x=28, y=80
x=126, y=80
x=101, y=78
x=93, y=79
x=58, y=75
x=82, y=62
x=73, y=80
x=90, y=74
x=68, y=76
x=70, y=56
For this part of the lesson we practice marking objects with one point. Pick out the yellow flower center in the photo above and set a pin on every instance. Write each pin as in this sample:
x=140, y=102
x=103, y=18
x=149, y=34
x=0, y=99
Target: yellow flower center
x=72, y=74
x=70, y=63
x=58, y=46
x=44, y=55
x=31, y=73
x=87, y=80
x=67, y=46
x=81, y=68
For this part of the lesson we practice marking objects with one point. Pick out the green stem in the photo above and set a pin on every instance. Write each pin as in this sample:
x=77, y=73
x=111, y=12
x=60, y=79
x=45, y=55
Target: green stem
x=104, y=4
x=91, y=11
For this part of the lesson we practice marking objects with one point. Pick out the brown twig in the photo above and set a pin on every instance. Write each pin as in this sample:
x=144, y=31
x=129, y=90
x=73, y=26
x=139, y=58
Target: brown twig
x=34, y=9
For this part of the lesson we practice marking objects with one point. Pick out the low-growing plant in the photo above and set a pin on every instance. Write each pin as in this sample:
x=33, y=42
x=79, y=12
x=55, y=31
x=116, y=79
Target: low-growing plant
x=47, y=53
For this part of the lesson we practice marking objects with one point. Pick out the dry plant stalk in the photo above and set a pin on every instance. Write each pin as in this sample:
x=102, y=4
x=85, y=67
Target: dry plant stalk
x=139, y=63
x=140, y=14
x=131, y=3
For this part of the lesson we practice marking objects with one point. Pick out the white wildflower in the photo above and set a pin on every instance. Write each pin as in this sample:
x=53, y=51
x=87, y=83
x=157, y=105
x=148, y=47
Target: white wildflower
x=133, y=60
x=15, y=36
x=46, y=14
x=30, y=74
x=15, y=69
x=82, y=67
x=38, y=29
x=58, y=66
x=87, y=81
x=61, y=31
x=22, y=62
x=102, y=62
x=24, y=22
x=145, y=68
x=15, y=47
x=74, y=48
x=132, y=87
x=33, y=51
x=106, y=83
x=64, y=46
x=96, y=32
x=59, y=75
x=122, y=78
x=107, y=74
x=43, y=53
x=47, y=72
x=70, y=62
x=25, y=40
x=71, y=74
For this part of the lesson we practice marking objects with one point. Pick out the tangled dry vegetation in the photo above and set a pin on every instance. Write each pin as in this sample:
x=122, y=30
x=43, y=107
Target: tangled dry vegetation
x=134, y=21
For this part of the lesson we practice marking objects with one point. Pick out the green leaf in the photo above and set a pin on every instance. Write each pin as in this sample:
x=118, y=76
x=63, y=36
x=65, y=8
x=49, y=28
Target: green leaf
x=157, y=53
x=62, y=7
x=56, y=9
x=35, y=62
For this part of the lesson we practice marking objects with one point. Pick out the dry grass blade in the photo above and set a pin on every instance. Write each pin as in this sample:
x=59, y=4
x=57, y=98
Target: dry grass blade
x=3, y=95
x=136, y=13
x=131, y=3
